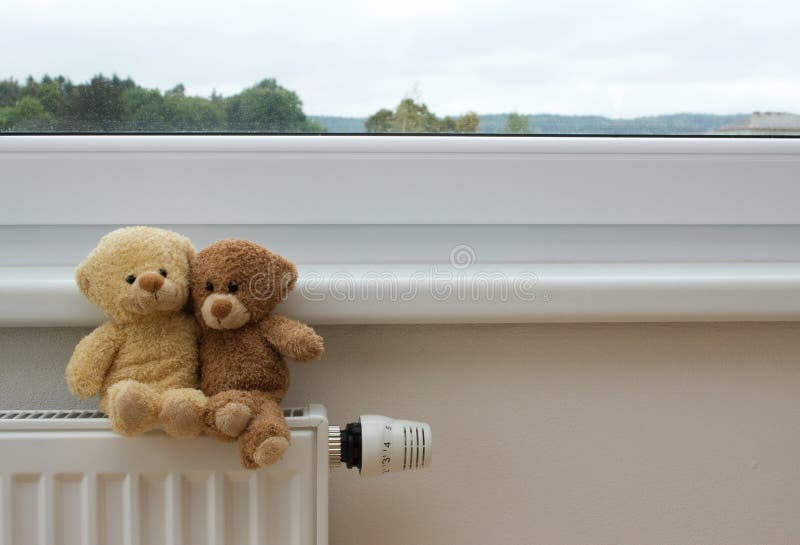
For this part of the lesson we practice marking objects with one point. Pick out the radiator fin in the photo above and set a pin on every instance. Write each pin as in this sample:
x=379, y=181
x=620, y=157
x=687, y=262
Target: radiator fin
x=237, y=517
x=68, y=505
x=196, y=509
x=152, y=506
x=27, y=502
x=112, y=515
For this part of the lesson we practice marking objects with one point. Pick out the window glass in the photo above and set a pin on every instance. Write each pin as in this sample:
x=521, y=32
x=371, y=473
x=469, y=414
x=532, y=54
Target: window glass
x=672, y=67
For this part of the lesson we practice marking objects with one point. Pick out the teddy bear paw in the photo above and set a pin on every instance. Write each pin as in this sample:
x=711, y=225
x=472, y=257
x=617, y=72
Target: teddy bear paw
x=133, y=407
x=270, y=451
x=182, y=412
x=314, y=348
x=232, y=419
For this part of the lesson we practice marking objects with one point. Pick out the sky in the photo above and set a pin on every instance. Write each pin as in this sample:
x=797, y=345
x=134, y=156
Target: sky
x=615, y=58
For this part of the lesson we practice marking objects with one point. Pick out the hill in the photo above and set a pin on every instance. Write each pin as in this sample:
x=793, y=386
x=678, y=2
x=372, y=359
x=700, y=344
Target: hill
x=578, y=124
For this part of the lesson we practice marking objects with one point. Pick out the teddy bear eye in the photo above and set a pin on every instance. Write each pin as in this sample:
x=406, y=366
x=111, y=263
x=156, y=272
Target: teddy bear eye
x=233, y=287
x=162, y=272
x=130, y=279
x=209, y=286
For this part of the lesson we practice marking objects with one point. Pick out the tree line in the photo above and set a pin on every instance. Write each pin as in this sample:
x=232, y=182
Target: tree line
x=113, y=104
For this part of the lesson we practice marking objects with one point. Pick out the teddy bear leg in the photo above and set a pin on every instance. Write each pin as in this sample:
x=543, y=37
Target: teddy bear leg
x=228, y=413
x=132, y=407
x=266, y=438
x=182, y=411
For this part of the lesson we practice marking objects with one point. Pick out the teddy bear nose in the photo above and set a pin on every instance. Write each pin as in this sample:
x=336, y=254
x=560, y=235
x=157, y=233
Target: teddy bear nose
x=221, y=308
x=151, y=281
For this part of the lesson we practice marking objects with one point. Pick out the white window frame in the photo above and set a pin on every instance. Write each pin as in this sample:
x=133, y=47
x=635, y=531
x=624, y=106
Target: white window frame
x=489, y=189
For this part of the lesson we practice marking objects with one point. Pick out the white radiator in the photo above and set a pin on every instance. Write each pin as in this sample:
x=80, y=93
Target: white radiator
x=66, y=479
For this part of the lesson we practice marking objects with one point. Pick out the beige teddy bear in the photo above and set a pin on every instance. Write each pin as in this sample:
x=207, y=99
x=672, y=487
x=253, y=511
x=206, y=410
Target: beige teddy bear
x=143, y=362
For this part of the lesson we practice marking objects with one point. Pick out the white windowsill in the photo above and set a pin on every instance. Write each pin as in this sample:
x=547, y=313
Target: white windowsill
x=559, y=292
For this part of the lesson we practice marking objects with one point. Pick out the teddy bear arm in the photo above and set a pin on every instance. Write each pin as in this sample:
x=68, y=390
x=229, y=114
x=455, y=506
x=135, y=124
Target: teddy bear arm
x=90, y=361
x=293, y=339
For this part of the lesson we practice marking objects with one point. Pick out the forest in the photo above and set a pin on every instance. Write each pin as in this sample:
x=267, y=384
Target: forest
x=111, y=104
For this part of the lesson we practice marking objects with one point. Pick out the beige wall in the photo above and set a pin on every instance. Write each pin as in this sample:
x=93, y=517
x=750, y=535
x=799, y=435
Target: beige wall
x=597, y=433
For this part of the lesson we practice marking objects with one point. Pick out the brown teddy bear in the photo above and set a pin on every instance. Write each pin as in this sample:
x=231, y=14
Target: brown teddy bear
x=235, y=285
x=143, y=362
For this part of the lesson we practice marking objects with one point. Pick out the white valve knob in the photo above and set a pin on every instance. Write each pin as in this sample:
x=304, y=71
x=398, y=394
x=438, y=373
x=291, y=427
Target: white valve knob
x=378, y=444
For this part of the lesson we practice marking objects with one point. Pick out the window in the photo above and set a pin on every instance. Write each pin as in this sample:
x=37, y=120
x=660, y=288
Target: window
x=679, y=67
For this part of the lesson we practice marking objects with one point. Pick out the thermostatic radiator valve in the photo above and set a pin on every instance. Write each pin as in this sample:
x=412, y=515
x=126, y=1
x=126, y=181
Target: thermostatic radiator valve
x=378, y=444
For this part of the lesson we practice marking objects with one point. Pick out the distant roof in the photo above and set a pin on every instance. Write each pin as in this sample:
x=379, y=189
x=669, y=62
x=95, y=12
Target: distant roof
x=765, y=123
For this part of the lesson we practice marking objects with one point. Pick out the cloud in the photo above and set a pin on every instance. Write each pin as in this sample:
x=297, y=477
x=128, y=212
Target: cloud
x=351, y=57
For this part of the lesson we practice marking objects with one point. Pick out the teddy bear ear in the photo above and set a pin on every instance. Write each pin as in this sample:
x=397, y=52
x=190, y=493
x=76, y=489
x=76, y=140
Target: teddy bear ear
x=288, y=278
x=82, y=278
x=187, y=247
